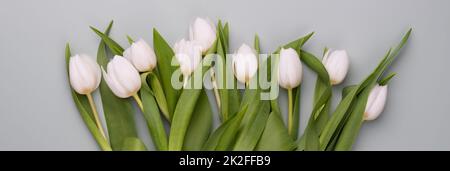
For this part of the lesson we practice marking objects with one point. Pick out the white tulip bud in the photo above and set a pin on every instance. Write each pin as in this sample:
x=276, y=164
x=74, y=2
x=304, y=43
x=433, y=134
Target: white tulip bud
x=122, y=78
x=375, y=103
x=245, y=63
x=84, y=74
x=141, y=55
x=337, y=64
x=189, y=55
x=203, y=32
x=289, y=69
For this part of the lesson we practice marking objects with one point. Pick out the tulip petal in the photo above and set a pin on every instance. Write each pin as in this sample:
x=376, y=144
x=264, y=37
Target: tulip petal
x=75, y=77
x=378, y=96
x=94, y=68
x=203, y=32
x=125, y=74
x=113, y=85
x=245, y=63
x=290, y=69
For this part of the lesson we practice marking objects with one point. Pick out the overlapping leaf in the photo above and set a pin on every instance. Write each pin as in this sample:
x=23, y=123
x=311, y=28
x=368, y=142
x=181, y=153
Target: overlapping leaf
x=118, y=112
x=82, y=104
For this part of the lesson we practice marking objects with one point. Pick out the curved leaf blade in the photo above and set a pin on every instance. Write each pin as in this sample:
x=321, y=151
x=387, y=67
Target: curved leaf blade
x=81, y=102
x=200, y=125
x=152, y=115
x=164, y=54
x=119, y=113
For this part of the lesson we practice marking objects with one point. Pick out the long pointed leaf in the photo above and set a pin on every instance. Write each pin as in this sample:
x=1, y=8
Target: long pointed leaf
x=82, y=104
x=252, y=132
x=152, y=115
x=164, y=54
x=200, y=125
x=275, y=136
x=118, y=112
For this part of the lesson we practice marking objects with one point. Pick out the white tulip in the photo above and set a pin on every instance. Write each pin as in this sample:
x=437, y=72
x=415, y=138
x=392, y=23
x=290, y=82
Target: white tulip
x=203, y=32
x=84, y=74
x=141, y=55
x=245, y=63
x=189, y=56
x=122, y=78
x=289, y=69
x=375, y=103
x=337, y=64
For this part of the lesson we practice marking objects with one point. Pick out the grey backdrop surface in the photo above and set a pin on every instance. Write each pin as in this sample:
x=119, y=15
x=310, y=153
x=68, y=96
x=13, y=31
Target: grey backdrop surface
x=37, y=112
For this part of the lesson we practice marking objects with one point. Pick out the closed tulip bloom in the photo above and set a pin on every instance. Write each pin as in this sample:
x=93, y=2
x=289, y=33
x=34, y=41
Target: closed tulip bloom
x=337, y=64
x=375, y=103
x=289, y=77
x=289, y=69
x=122, y=78
x=245, y=63
x=189, y=56
x=84, y=74
x=141, y=55
x=203, y=32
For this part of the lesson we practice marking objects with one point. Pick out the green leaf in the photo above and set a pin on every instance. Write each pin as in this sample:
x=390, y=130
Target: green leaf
x=226, y=34
x=352, y=126
x=296, y=44
x=275, y=136
x=229, y=134
x=348, y=89
x=311, y=140
x=249, y=136
x=252, y=100
x=315, y=64
x=133, y=144
x=184, y=111
x=213, y=140
x=321, y=103
x=341, y=112
x=152, y=115
x=216, y=136
x=119, y=113
x=386, y=79
x=158, y=92
x=130, y=40
x=229, y=98
x=234, y=99
x=222, y=36
x=112, y=45
x=256, y=44
x=336, y=118
x=185, y=108
x=200, y=125
x=82, y=104
x=221, y=69
x=164, y=54
x=393, y=55
x=275, y=108
x=296, y=112
x=181, y=117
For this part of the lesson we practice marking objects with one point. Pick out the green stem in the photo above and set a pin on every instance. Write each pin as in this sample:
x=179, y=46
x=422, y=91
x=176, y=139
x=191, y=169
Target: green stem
x=94, y=112
x=216, y=91
x=185, y=80
x=138, y=101
x=290, y=114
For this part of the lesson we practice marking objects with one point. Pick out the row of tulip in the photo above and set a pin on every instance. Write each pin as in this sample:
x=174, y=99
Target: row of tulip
x=248, y=122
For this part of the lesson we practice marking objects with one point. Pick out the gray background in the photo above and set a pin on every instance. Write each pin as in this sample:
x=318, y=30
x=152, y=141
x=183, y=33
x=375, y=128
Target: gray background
x=37, y=112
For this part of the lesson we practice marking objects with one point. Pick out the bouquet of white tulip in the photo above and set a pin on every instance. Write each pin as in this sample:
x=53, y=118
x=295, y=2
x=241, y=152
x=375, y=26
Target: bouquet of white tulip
x=249, y=121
